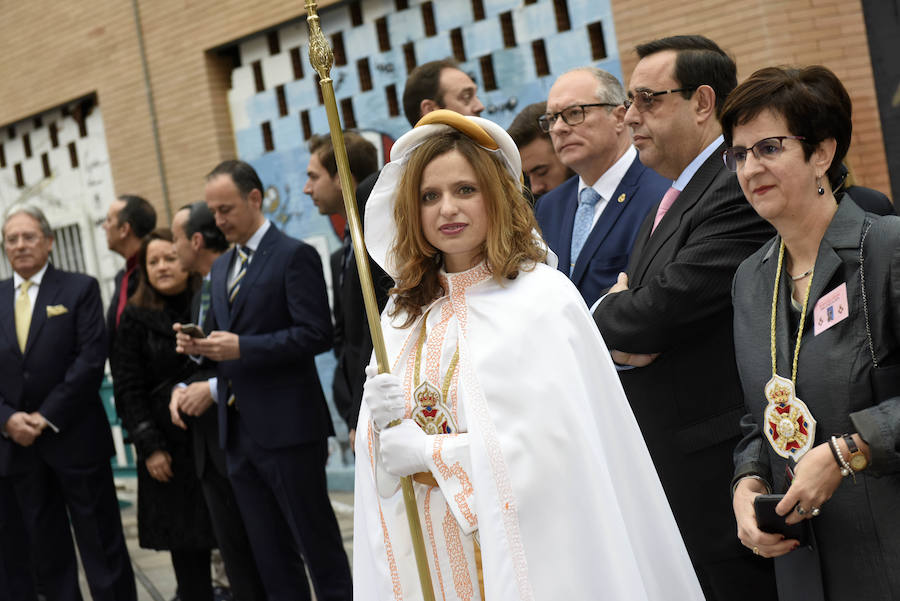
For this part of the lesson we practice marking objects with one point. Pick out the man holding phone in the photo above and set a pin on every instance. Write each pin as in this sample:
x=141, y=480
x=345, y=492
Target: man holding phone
x=199, y=243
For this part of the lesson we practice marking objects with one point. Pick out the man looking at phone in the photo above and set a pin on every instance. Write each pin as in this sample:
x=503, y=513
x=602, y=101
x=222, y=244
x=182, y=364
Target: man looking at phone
x=199, y=243
x=269, y=318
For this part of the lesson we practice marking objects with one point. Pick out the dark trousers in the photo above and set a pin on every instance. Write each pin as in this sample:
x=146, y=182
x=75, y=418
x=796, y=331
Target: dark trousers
x=283, y=497
x=192, y=574
x=240, y=565
x=16, y=583
x=44, y=495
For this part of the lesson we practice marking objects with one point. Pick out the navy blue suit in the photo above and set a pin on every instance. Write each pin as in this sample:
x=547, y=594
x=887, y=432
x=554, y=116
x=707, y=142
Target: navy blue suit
x=606, y=250
x=59, y=376
x=275, y=434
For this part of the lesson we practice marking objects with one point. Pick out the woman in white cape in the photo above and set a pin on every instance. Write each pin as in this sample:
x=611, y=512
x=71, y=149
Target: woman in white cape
x=531, y=476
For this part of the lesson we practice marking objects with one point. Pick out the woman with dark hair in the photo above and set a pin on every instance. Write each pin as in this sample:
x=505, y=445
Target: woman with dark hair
x=172, y=513
x=816, y=311
x=530, y=472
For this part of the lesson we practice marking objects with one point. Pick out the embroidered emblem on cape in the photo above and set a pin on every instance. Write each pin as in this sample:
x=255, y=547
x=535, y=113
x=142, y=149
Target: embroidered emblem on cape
x=430, y=412
x=789, y=425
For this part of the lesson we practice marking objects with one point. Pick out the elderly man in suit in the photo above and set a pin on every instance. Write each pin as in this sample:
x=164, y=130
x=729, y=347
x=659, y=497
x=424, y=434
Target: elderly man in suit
x=269, y=318
x=56, y=441
x=670, y=317
x=591, y=221
x=199, y=243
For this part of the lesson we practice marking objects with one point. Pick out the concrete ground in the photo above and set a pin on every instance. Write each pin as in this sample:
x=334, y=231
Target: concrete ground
x=153, y=569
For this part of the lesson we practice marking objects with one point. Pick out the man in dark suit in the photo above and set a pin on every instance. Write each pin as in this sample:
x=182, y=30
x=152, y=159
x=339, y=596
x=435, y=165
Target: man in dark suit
x=671, y=316
x=199, y=243
x=591, y=221
x=128, y=220
x=542, y=168
x=436, y=85
x=269, y=318
x=352, y=340
x=15, y=565
x=56, y=441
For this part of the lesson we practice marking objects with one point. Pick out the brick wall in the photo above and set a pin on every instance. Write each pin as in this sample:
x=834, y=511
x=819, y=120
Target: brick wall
x=774, y=32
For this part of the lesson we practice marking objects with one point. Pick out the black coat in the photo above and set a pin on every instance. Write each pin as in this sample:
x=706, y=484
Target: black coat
x=171, y=514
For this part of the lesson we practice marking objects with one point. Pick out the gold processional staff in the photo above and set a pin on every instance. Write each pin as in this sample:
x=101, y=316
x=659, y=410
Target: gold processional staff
x=321, y=58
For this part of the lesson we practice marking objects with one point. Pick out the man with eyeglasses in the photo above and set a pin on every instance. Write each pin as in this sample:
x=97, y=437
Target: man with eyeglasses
x=591, y=220
x=668, y=322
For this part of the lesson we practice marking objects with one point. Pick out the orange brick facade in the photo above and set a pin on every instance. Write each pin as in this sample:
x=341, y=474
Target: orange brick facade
x=54, y=52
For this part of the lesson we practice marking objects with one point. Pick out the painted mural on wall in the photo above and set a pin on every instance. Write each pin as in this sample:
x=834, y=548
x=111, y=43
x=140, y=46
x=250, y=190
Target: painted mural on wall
x=58, y=161
x=512, y=49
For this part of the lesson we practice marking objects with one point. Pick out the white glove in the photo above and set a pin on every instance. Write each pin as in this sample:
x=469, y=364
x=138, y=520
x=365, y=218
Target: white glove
x=404, y=448
x=384, y=395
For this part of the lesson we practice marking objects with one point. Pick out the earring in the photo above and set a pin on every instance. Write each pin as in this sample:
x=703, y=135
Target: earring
x=820, y=189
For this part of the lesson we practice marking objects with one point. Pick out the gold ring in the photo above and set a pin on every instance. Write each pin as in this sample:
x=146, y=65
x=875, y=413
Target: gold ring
x=756, y=550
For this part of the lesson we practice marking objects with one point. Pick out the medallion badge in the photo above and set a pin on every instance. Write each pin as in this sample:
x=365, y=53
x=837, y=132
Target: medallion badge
x=789, y=425
x=430, y=412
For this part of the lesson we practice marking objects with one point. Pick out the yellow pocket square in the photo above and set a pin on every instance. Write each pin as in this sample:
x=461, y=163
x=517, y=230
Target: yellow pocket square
x=54, y=310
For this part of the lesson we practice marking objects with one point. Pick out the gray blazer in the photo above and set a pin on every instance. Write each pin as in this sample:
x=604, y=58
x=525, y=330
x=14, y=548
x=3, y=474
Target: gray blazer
x=858, y=532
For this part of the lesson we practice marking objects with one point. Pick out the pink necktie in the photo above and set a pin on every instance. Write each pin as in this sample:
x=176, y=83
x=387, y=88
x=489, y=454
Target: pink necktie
x=664, y=205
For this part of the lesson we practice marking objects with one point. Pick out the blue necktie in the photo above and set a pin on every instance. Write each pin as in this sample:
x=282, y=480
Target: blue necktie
x=584, y=219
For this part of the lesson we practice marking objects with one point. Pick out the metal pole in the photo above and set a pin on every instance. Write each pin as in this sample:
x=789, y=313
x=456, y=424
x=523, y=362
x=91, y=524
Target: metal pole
x=321, y=59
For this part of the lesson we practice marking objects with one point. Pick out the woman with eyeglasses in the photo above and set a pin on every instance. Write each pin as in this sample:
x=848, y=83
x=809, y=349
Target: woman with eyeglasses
x=814, y=310
x=531, y=476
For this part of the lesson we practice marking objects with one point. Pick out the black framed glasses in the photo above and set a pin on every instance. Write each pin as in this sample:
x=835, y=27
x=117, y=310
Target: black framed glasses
x=572, y=115
x=765, y=149
x=643, y=99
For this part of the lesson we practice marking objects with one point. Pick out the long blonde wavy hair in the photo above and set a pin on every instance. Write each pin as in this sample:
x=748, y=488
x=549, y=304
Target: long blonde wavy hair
x=510, y=245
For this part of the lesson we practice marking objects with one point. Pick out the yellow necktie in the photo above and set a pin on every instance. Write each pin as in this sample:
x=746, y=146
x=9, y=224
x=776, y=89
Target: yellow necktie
x=23, y=315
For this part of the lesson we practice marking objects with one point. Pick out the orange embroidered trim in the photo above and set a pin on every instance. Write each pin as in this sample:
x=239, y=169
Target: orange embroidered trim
x=429, y=526
x=388, y=547
x=462, y=578
x=448, y=472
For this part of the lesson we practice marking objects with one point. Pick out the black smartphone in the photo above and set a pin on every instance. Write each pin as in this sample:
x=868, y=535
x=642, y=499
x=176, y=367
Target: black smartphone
x=193, y=330
x=769, y=521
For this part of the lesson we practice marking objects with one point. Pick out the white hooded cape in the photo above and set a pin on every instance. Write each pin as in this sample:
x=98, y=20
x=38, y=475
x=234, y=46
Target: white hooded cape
x=568, y=503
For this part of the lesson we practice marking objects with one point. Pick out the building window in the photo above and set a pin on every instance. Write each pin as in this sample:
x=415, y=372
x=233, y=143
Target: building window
x=598, y=44
x=456, y=41
x=384, y=40
x=487, y=73
x=393, y=105
x=541, y=64
x=337, y=44
x=478, y=10
x=258, y=76
x=2, y=157
x=274, y=44
x=356, y=16
x=73, y=155
x=347, y=113
x=54, y=135
x=268, y=143
x=20, y=179
x=428, y=19
x=26, y=143
x=282, y=101
x=409, y=53
x=305, y=124
x=365, y=74
x=509, y=32
x=297, y=63
x=562, y=15
x=45, y=164
x=401, y=4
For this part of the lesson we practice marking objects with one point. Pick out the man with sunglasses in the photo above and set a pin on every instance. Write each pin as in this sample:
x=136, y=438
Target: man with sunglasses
x=668, y=322
x=591, y=220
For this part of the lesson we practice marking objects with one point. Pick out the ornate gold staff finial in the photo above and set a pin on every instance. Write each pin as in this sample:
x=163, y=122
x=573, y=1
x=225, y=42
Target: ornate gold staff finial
x=321, y=59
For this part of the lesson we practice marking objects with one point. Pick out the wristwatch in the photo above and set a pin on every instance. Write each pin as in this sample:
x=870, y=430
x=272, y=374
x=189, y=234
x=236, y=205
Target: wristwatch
x=857, y=459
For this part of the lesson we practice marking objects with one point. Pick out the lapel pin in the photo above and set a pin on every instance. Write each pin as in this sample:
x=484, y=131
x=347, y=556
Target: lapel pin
x=621, y=197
